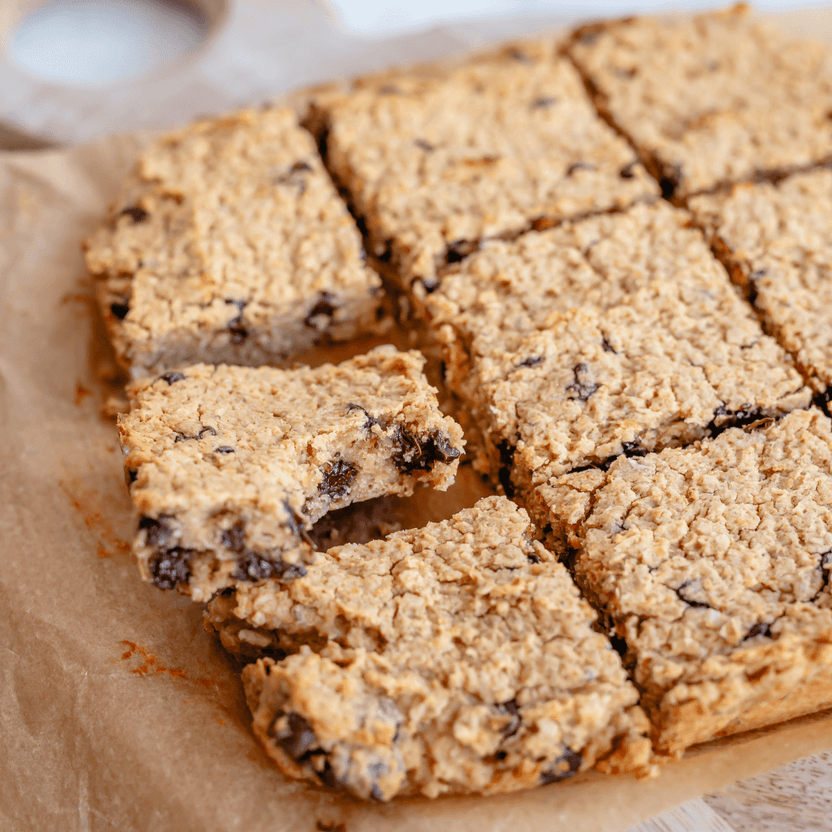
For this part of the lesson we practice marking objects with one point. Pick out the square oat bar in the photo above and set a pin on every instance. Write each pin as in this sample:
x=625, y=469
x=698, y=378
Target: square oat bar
x=435, y=161
x=230, y=244
x=229, y=466
x=614, y=334
x=712, y=563
x=777, y=243
x=713, y=98
x=454, y=658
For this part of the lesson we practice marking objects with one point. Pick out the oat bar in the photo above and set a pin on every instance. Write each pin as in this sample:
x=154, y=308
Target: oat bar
x=435, y=161
x=229, y=466
x=455, y=658
x=230, y=244
x=713, y=98
x=615, y=334
x=775, y=240
x=712, y=564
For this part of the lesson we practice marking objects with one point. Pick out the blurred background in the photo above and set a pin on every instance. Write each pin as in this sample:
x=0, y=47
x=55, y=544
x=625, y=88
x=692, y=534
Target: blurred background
x=71, y=70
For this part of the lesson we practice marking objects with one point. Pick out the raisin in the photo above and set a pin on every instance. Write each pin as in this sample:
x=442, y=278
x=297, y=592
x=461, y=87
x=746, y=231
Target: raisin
x=324, y=308
x=581, y=389
x=294, y=735
x=170, y=378
x=224, y=449
x=170, y=568
x=579, y=166
x=417, y=453
x=628, y=171
x=761, y=629
x=510, y=710
x=564, y=767
x=338, y=477
x=135, y=213
x=534, y=361
x=120, y=310
x=234, y=538
x=156, y=532
x=543, y=102
x=457, y=251
x=690, y=601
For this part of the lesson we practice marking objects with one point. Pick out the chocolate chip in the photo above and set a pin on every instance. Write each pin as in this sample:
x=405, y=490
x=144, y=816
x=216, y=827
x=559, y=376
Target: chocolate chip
x=543, y=102
x=534, y=361
x=581, y=389
x=691, y=602
x=628, y=171
x=457, y=251
x=510, y=710
x=579, y=166
x=423, y=145
x=338, y=477
x=135, y=213
x=564, y=767
x=761, y=629
x=235, y=537
x=156, y=532
x=420, y=453
x=120, y=310
x=170, y=378
x=294, y=735
x=170, y=568
x=224, y=449
x=324, y=308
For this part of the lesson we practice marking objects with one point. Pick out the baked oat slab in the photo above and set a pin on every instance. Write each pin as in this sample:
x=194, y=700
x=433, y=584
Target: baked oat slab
x=455, y=658
x=614, y=334
x=711, y=98
x=229, y=466
x=436, y=160
x=775, y=239
x=712, y=564
x=230, y=244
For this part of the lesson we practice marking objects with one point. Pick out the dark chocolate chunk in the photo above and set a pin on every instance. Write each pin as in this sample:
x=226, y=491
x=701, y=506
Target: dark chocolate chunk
x=338, y=477
x=510, y=710
x=579, y=166
x=120, y=310
x=582, y=388
x=235, y=537
x=459, y=250
x=564, y=767
x=324, y=308
x=135, y=213
x=628, y=171
x=423, y=145
x=170, y=378
x=421, y=453
x=543, y=102
x=156, y=532
x=760, y=629
x=224, y=449
x=685, y=596
x=294, y=735
x=172, y=567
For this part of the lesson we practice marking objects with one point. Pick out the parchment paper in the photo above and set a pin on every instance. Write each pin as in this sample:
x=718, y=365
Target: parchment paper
x=117, y=711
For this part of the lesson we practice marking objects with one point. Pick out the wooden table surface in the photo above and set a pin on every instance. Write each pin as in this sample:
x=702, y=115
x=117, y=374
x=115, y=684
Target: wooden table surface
x=796, y=797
